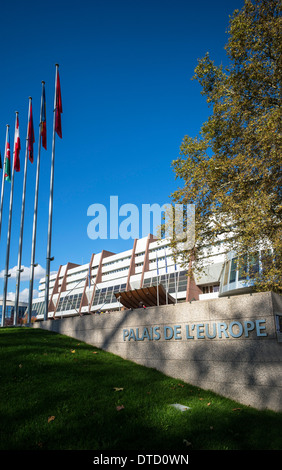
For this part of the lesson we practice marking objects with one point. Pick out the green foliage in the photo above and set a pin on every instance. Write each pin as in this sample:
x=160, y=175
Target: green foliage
x=232, y=170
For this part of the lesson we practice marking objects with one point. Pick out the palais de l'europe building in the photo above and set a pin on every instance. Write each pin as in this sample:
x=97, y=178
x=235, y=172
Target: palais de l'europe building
x=144, y=275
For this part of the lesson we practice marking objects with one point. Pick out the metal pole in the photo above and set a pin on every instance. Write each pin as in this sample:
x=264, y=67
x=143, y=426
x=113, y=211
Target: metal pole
x=32, y=265
x=19, y=268
x=6, y=274
x=157, y=290
x=3, y=179
x=48, y=257
x=166, y=294
x=175, y=273
x=158, y=300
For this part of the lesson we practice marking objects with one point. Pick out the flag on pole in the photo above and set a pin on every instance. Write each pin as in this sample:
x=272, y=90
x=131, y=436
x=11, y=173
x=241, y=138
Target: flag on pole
x=30, y=137
x=17, y=145
x=43, y=131
x=7, y=160
x=1, y=166
x=56, y=128
x=58, y=106
x=157, y=263
x=41, y=138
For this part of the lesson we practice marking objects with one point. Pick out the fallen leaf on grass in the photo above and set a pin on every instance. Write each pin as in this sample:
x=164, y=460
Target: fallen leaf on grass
x=236, y=409
x=51, y=418
x=20, y=366
x=95, y=352
x=187, y=443
x=72, y=351
x=120, y=407
x=117, y=389
x=208, y=404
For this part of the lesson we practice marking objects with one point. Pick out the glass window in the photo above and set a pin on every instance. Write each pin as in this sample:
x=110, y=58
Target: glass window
x=254, y=264
x=280, y=322
x=266, y=259
x=182, y=286
x=9, y=311
x=233, y=270
x=243, y=268
x=226, y=272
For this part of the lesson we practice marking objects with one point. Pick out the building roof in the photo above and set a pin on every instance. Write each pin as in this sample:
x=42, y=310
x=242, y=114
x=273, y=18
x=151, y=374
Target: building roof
x=148, y=296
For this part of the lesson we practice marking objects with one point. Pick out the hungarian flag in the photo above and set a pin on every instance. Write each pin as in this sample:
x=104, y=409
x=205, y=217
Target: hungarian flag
x=17, y=145
x=7, y=161
x=43, y=131
x=58, y=106
x=30, y=137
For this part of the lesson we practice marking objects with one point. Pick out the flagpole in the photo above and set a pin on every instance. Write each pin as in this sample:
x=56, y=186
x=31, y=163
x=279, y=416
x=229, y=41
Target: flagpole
x=48, y=257
x=19, y=268
x=166, y=279
x=3, y=180
x=32, y=265
x=175, y=282
x=6, y=273
x=157, y=279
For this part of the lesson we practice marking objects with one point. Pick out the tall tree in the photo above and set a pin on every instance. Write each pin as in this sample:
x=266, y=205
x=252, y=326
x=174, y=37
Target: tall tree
x=231, y=171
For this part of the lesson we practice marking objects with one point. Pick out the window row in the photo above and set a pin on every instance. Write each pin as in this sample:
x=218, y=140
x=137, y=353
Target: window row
x=69, y=302
x=106, y=295
x=10, y=311
x=247, y=267
x=173, y=282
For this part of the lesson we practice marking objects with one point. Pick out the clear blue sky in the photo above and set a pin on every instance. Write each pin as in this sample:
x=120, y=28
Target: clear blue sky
x=128, y=100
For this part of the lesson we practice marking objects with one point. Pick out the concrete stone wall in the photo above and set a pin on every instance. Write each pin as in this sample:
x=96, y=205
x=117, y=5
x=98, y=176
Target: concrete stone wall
x=228, y=345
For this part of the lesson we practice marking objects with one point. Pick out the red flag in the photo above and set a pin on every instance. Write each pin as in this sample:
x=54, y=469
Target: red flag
x=17, y=145
x=43, y=132
x=7, y=163
x=58, y=106
x=31, y=138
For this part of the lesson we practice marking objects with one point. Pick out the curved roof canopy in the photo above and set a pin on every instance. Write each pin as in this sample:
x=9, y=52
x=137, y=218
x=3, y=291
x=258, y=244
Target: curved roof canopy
x=147, y=296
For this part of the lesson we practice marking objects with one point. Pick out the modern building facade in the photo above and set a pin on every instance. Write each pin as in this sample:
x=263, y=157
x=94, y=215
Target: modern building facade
x=237, y=279
x=9, y=314
x=101, y=284
x=146, y=274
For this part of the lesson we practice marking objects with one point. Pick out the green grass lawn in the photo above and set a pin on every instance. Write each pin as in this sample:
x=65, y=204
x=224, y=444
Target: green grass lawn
x=59, y=393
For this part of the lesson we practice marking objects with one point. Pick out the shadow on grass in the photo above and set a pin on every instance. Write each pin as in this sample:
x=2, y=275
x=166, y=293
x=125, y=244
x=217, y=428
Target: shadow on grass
x=59, y=393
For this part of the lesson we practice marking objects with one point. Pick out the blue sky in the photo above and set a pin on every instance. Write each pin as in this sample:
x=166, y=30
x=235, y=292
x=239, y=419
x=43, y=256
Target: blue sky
x=128, y=100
